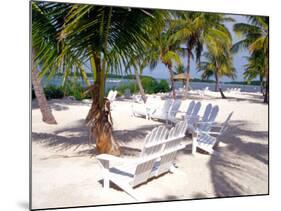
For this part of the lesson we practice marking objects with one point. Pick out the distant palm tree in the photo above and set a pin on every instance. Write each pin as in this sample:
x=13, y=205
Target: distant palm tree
x=216, y=66
x=255, y=68
x=195, y=29
x=138, y=63
x=218, y=59
x=255, y=39
x=164, y=49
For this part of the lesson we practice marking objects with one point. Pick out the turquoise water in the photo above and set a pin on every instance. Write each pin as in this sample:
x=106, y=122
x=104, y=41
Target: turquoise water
x=114, y=83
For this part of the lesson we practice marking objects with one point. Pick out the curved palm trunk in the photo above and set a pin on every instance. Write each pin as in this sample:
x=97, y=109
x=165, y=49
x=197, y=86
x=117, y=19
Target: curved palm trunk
x=172, y=80
x=261, y=84
x=99, y=116
x=266, y=96
x=218, y=88
x=45, y=109
x=140, y=86
x=187, y=73
x=217, y=81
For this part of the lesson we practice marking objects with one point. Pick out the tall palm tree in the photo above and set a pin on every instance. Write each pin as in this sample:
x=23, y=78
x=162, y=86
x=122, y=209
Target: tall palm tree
x=138, y=62
x=217, y=66
x=255, y=38
x=218, y=59
x=47, y=115
x=47, y=21
x=194, y=30
x=255, y=68
x=164, y=48
x=105, y=36
x=40, y=23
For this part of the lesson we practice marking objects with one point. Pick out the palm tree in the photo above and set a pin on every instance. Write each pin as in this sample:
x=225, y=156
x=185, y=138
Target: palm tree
x=164, y=48
x=255, y=68
x=255, y=38
x=138, y=62
x=216, y=66
x=39, y=24
x=47, y=21
x=218, y=58
x=44, y=107
x=105, y=36
x=194, y=30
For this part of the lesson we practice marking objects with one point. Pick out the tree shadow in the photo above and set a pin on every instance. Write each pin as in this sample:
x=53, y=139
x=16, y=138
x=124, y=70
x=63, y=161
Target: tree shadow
x=76, y=136
x=71, y=137
x=60, y=104
x=240, y=162
x=251, y=98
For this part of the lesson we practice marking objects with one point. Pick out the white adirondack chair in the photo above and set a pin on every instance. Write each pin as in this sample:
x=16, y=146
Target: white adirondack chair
x=145, y=109
x=207, y=120
x=207, y=137
x=193, y=116
x=173, y=111
x=111, y=95
x=157, y=157
x=162, y=111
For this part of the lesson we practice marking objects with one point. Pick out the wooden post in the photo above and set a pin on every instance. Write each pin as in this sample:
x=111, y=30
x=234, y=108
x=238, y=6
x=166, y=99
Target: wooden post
x=194, y=142
x=105, y=164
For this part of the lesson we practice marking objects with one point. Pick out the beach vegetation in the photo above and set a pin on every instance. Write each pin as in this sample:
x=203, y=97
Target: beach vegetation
x=255, y=38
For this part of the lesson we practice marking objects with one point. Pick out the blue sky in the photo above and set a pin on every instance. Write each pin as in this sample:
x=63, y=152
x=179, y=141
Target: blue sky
x=238, y=59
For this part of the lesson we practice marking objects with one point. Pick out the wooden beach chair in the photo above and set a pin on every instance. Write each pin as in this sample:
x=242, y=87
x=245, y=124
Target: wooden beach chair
x=191, y=114
x=111, y=96
x=145, y=109
x=157, y=157
x=207, y=137
x=207, y=120
x=162, y=111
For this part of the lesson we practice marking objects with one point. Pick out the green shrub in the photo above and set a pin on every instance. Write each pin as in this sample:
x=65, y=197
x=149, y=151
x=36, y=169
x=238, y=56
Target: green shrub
x=163, y=86
x=131, y=86
x=53, y=92
x=75, y=89
x=149, y=85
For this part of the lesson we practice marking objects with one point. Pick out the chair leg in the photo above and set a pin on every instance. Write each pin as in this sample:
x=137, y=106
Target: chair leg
x=128, y=189
x=174, y=170
x=194, y=143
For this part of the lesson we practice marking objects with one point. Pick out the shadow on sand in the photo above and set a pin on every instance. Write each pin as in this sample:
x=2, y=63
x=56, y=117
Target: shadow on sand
x=76, y=138
x=240, y=161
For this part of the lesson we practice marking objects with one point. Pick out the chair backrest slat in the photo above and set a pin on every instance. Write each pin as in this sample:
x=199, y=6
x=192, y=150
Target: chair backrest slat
x=225, y=124
x=143, y=172
x=174, y=108
x=207, y=112
x=157, y=142
x=190, y=108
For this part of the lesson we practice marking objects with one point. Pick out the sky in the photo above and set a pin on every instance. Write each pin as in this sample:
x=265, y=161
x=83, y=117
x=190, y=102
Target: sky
x=239, y=61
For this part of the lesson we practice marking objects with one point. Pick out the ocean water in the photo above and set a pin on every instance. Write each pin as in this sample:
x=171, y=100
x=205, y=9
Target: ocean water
x=114, y=83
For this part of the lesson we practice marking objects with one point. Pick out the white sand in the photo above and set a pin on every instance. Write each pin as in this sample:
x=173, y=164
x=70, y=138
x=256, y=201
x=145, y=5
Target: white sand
x=66, y=173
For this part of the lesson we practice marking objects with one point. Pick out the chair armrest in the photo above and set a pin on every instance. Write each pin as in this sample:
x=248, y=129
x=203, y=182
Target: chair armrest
x=106, y=160
x=205, y=122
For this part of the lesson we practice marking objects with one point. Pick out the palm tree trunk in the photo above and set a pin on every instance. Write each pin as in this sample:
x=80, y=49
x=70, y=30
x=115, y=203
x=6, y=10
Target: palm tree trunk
x=217, y=81
x=99, y=116
x=187, y=73
x=41, y=98
x=218, y=88
x=140, y=86
x=172, y=80
x=261, y=84
x=266, y=96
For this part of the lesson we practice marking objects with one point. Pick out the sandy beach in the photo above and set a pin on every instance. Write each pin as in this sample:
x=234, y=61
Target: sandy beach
x=65, y=172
